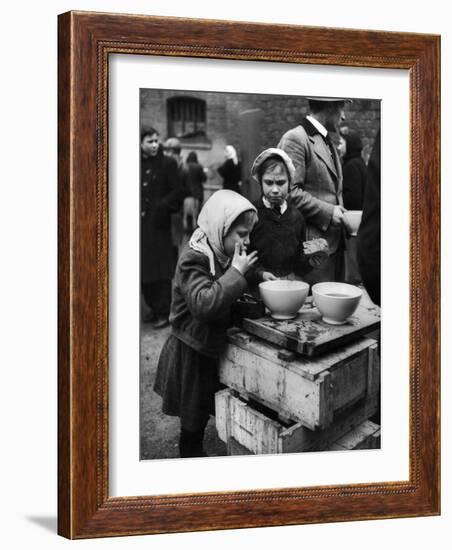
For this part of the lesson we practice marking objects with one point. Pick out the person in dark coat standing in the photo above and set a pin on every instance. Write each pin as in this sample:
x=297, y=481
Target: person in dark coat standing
x=353, y=173
x=369, y=231
x=231, y=170
x=173, y=148
x=161, y=194
x=195, y=189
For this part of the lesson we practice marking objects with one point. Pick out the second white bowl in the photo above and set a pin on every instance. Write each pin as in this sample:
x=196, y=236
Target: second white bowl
x=336, y=301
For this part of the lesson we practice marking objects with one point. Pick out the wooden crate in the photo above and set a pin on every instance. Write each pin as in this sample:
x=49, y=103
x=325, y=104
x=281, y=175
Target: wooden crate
x=248, y=431
x=309, y=391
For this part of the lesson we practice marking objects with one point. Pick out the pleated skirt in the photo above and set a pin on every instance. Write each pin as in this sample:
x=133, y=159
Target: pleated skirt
x=187, y=381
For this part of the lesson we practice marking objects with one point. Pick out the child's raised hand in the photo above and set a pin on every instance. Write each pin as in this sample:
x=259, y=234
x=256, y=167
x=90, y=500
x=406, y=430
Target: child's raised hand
x=267, y=276
x=316, y=250
x=241, y=261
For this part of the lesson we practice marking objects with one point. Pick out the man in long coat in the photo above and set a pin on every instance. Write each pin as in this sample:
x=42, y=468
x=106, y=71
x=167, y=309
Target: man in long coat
x=161, y=195
x=317, y=186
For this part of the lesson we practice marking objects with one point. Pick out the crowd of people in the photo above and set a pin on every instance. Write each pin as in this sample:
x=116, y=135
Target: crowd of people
x=233, y=244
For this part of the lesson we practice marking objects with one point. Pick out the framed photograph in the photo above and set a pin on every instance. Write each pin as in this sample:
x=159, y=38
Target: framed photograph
x=205, y=167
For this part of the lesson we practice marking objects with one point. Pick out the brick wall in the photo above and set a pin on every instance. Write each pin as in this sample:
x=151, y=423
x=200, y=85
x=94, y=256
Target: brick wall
x=251, y=122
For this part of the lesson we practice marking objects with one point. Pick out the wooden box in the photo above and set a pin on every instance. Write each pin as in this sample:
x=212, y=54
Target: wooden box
x=305, y=390
x=248, y=431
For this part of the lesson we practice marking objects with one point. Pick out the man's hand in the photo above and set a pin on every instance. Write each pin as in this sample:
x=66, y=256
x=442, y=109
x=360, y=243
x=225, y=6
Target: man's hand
x=241, y=261
x=338, y=214
x=317, y=259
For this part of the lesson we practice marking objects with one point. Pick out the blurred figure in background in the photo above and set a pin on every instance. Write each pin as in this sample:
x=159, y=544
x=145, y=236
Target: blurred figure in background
x=195, y=188
x=161, y=195
x=173, y=149
x=341, y=146
x=354, y=173
x=369, y=232
x=231, y=170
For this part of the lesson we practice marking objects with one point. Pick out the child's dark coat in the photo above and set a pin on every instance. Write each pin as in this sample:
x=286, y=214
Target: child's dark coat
x=279, y=242
x=187, y=373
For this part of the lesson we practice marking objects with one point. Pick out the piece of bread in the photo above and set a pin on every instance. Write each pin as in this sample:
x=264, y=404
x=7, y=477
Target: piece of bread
x=315, y=246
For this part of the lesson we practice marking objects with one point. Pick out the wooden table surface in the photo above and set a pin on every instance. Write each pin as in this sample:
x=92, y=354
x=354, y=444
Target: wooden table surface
x=309, y=335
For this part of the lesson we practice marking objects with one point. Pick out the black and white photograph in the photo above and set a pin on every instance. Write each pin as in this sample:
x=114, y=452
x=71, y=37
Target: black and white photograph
x=259, y=274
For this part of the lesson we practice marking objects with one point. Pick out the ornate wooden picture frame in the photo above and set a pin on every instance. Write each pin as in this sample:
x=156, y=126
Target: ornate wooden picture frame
x=86, y=40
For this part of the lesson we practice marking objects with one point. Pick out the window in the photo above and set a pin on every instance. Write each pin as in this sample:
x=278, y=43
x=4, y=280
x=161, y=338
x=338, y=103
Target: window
x=187, y=118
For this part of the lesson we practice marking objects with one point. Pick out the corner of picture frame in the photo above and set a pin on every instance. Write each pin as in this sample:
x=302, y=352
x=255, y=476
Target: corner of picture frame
x=85, y=42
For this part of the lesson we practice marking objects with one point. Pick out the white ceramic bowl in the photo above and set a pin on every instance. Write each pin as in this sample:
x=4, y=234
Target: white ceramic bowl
x=283, y=298
x=336, y=301
x=352, y=221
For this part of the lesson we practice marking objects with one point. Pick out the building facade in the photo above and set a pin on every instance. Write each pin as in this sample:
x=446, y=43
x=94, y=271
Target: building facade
x=206, y=122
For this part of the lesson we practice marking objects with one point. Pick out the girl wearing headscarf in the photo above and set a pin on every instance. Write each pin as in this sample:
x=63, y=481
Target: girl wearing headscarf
x=231, y=170
x=280, y=234
x=210, y=276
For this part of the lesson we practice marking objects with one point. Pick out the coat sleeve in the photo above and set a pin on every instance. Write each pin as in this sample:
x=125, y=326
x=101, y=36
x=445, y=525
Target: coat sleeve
x=223, y=169
x=316, y=211
x=254, y=275
x=209, y=299
x=368, y=241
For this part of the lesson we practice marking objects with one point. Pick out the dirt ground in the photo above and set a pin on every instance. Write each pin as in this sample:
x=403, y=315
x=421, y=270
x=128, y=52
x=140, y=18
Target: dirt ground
x=159, y=433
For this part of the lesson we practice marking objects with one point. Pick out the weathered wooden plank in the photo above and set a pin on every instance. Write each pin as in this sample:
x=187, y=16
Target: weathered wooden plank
x=373, y=371
x=308, y=367
x=309, y=335
x=222, y=416
x=349, y=381
x=372, y=441
x=249, y=427
x=375, y=440
x=326, y=402
x=364, y=436
x=236, y=449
